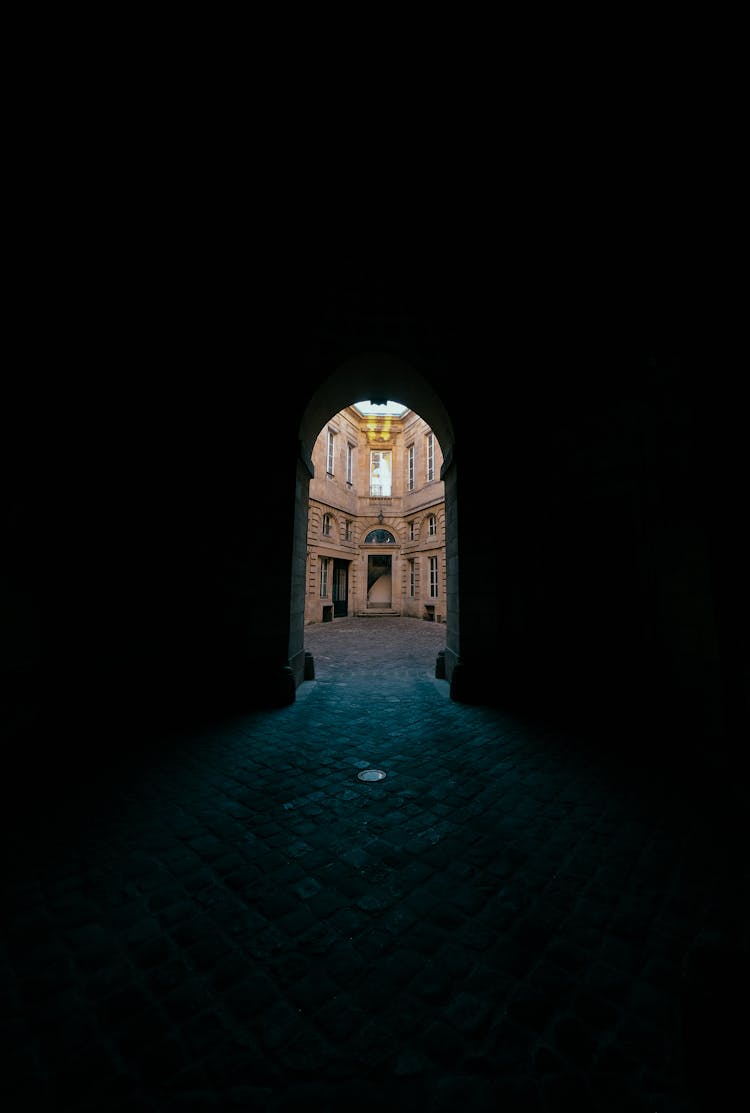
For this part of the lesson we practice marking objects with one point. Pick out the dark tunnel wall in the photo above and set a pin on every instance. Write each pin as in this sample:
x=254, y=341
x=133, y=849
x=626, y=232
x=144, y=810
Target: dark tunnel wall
x=600, y=567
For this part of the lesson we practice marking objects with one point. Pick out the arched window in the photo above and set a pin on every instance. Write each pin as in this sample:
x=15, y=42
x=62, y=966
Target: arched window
x=326, y=525
x=432, y=525
x=380, y=537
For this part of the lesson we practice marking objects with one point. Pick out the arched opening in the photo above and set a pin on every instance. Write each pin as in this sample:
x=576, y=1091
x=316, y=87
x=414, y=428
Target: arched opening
x=380, y=537
x=373, y=375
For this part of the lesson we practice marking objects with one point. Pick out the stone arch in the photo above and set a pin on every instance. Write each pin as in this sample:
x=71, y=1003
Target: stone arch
x=375, y=525
x=374, y=375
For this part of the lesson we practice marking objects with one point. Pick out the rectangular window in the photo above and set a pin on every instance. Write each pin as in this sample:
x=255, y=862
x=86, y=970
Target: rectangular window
x=349, y=463
x=412, y=578
x=325, y=561
x=326, y=524
x=380, y=474
x=411, y=531
x=430, y=457
x=348, y=529
x=411, y=467
x=330, y=453
x=433, y=525
x=433, y=577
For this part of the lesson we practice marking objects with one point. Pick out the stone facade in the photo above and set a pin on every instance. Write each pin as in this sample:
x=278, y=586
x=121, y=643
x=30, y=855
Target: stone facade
x=376, y=519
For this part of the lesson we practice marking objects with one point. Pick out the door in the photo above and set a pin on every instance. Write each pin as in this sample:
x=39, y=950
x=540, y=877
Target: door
x=340, y=588
x=379, y=583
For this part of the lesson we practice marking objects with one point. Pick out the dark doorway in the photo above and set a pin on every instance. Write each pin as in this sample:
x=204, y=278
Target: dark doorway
x=379, y=586
x=340, y=588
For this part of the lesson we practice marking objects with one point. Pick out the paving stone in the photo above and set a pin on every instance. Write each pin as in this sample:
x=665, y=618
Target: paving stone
x=281, y=1023
x=126, y=1003
x=574, y=1041
x=468, y=1012
x=567, y=1091
x=340, y=1016
x=277, y=903
x=270, y=941
x=190, y=930
x=460, y=1092
x=206, y=954
x=166, y=976
x=312, y=990
x=442, y=1043
x=176, y=912
x=375, y=901
x=142, y=930
x=191, y=996
x=240, y=1063
x=248, y=997
x=325, y=902
x=202, y=1033
x=412, y=1062
x=344, y=962
x=161, y=1059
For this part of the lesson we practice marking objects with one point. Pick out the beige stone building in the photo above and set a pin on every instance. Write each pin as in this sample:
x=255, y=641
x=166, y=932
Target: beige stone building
x=376, y=522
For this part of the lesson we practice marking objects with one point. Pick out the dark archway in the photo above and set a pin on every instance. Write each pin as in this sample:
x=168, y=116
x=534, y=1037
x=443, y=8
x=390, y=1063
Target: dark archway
x=373, y=375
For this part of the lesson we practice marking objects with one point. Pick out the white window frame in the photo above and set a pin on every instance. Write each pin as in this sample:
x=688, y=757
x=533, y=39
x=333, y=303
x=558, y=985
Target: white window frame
x=411, y=530
x=384, y=487
x=324, y=565
x=326, y=525
x=331, y=453
x=411, y=467
x=433, y=577
x=349, y=463
x=432, y=525
x=430, y=457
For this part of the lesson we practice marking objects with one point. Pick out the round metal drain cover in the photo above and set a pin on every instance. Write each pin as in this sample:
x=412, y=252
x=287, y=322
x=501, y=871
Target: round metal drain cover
x=371, y=775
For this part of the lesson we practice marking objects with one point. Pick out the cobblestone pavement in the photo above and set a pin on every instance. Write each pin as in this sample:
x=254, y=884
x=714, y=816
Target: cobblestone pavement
x=239, y=923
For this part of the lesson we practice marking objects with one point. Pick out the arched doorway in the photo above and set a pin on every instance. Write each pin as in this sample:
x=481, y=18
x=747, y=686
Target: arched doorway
x=379, y=575
x=373, y=375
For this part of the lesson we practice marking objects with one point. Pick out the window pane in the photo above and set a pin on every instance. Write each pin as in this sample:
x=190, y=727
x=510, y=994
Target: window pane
x=380, y=474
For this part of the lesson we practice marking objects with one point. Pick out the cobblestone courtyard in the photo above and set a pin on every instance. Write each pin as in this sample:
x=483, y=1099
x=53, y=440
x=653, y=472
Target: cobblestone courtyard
x=237, y=922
